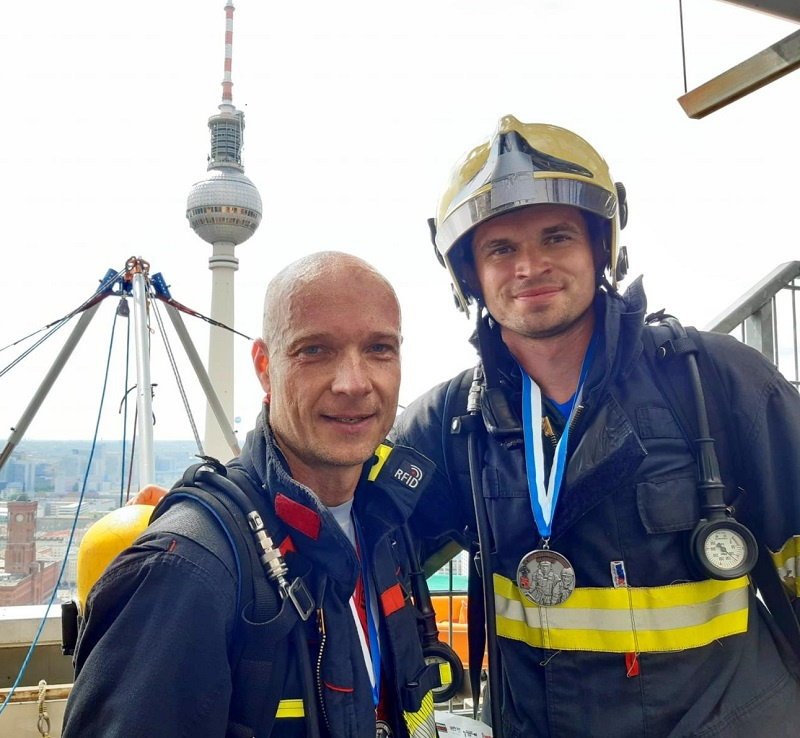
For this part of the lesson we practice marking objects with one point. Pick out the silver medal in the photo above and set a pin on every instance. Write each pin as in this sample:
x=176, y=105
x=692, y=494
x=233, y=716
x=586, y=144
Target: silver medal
x=382, y=729
x=545, y=577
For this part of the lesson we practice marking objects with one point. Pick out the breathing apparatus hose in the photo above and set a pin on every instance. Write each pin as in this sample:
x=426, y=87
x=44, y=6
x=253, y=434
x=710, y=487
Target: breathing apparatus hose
x=432, y=647
x=485, y=545
x=422, y=596
x=713, y=502
x=274, y=567
x=717, y=519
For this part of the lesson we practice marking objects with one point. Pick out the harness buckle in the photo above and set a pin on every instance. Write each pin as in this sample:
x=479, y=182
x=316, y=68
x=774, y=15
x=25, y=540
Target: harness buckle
x=300, y=597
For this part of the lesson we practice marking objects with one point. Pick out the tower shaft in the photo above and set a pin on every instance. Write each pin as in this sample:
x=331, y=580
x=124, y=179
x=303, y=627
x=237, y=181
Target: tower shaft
x=223, y=265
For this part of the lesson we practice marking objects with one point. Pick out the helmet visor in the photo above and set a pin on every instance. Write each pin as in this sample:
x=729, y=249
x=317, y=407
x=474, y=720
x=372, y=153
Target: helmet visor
x=518, y=190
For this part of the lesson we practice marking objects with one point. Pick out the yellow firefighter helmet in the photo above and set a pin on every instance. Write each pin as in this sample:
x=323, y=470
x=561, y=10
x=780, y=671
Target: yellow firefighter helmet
x=527, y=164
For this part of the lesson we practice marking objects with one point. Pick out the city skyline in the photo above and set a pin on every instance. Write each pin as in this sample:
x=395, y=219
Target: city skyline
x=53, y=476
x=71, y=455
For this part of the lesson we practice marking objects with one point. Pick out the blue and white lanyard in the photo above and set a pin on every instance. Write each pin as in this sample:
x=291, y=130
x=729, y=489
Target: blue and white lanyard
x=544, y=497
x=371, y=651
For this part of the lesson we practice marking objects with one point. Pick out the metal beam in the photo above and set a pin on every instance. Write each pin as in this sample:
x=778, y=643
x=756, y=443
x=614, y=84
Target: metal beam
x=18, y=431
x=759, y=70
x=788, y=9
x=205, y=381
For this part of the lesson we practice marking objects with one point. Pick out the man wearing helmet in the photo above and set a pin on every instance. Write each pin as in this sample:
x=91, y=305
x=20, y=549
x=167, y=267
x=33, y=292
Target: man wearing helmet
x=580, y=466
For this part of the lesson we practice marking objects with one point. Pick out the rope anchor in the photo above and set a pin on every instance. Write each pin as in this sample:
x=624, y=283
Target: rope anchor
x=43, y=723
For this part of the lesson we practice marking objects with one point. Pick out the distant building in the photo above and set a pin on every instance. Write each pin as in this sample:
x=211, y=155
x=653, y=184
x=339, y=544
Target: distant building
x=461, y=564
x=51, y=547
x=25, y=580
x=52, y=473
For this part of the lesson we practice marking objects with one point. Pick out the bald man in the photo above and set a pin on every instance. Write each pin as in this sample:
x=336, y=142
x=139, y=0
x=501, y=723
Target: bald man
x=161, y=641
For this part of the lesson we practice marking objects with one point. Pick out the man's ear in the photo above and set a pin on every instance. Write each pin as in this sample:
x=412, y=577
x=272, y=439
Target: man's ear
x=261, y=363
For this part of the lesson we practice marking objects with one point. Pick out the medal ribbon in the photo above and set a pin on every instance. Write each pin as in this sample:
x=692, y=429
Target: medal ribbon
x=544, y=497
x=371, y=651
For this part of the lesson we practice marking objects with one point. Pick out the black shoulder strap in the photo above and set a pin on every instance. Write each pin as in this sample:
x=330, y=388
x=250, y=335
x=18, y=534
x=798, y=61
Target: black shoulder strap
x=660, y=345
x=456, y=455
x=260, y=649
x=455, y=405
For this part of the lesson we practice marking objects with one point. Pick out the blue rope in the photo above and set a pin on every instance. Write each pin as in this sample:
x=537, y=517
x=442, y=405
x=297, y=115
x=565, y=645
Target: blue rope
x=72, y=532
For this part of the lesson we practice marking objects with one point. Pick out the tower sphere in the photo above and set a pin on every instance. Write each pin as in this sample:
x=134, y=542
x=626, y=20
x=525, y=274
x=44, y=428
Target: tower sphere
x=225, y=206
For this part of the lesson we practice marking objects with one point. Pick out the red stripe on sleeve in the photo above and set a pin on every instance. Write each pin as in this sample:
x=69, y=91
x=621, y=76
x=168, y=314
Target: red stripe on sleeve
x=392, y=600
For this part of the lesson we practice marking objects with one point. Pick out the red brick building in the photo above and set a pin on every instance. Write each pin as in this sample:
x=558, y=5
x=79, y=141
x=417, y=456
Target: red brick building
x=26, y=581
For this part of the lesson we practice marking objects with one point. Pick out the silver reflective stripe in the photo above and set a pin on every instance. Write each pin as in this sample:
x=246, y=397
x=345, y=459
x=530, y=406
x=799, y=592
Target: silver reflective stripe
x=680, y=616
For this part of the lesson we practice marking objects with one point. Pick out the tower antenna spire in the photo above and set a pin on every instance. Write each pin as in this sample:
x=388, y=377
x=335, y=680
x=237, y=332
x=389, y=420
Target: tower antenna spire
x=227, y=82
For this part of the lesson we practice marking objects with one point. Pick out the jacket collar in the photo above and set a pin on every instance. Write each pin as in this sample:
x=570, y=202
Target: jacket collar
x=622, y=318
x=380, y=507
x=620, y=345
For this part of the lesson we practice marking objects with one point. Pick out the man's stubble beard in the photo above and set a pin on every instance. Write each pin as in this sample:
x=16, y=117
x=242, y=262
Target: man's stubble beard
x=561, y=327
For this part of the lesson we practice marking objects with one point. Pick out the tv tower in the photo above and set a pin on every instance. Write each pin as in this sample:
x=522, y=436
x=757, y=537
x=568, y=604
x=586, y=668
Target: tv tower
x=224, y=209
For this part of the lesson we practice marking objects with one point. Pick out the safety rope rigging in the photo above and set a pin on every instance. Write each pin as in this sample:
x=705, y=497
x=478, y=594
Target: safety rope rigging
x=55, y=325
x=31, y=349
x=43, y=719
x=195, y=314
x=123, y=284
x=178, y=379
x=36, y=638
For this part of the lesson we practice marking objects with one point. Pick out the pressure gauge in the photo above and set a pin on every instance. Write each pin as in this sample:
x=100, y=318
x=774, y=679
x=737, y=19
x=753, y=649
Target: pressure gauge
x=724, y=548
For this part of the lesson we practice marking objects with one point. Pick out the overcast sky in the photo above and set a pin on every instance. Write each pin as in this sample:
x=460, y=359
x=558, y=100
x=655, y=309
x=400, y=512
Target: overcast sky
x=355, y=113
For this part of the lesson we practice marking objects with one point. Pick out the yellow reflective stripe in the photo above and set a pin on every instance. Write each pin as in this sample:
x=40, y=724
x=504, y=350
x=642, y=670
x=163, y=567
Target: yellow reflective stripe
x=786, y=561
x=623, y=598
x=421, y=723
x=445, y=673
x=628, y=619
x=290, y=709
x=381, y=454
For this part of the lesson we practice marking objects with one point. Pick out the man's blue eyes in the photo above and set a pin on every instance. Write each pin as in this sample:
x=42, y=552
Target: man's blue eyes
x=378, y=348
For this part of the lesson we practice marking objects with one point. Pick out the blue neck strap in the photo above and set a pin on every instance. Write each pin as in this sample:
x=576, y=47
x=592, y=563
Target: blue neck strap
x=374, y=645
x=544, y=497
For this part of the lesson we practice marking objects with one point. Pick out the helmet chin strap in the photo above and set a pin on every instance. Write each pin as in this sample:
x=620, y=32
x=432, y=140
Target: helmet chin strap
x=603, y=283
x=622, y=204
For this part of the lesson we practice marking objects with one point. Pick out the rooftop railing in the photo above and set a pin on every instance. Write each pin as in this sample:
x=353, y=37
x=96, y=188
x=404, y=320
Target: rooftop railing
x=765, y=317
